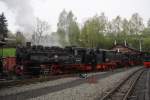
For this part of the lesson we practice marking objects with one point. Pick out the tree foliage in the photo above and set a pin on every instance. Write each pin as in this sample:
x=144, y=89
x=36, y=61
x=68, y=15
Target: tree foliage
x=98, y=31
x=62, y=27
x=3, y=26
x=68, y=29
x=92, y=32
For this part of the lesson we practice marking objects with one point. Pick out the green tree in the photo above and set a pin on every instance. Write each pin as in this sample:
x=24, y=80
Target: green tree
x=74, y=33
x=125, y=27
x=68, y=29
x=62, y=27
x=146, y=37
x=146, y=31
x=73, y=29
x=61, y=37
x=146, y=44
x=92, y=32
x=3, y=26
x=20, y=38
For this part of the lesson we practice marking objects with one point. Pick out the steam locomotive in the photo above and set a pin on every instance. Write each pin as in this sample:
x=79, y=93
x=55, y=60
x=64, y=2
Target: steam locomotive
x=37, y=60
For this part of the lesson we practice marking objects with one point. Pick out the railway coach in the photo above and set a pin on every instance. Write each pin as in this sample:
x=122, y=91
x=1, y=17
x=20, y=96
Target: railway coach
x=147, y=60
x=8, y=59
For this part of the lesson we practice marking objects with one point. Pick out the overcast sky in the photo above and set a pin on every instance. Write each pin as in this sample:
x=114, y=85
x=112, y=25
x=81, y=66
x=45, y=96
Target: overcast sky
x=49, y=10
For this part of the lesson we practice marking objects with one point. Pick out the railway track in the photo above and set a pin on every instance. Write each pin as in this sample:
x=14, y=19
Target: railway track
x=141, y=90
x=12, y=83
x=24, y=93
x=7, y=84
x=123, y=90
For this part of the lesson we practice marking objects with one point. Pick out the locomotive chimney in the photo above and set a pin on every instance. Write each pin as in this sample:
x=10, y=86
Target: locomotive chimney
x=28, y=44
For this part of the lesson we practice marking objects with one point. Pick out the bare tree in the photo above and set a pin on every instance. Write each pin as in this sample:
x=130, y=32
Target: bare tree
x=41, y=28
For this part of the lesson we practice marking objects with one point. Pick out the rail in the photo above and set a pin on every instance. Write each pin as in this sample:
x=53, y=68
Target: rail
x=115, y=89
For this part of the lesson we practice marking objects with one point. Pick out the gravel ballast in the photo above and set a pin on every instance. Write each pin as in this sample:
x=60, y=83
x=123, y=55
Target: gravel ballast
x=71, y=88
x=87, y=91
x=18, y=89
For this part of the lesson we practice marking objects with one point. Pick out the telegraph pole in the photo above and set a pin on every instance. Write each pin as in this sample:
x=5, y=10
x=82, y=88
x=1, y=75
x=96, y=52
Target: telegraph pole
x=140, y=44
x=115, y=43
x=125, y=42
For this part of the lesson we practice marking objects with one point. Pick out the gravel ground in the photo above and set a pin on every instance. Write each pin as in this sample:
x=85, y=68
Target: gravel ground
x=87, y=91
x=141, y=89
x=73, y=88
x=18, y=89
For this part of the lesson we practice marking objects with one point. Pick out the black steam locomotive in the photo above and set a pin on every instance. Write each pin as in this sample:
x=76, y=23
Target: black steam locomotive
x=36, y=60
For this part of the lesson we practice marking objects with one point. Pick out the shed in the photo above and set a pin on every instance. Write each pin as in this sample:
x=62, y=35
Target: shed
x=125, y=49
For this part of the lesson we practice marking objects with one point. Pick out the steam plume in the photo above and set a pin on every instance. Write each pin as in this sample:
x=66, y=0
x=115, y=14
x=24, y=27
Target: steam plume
x=24, y=13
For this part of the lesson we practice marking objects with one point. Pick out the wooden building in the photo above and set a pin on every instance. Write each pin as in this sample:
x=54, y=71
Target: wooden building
x=125, y=49
x=2, y=43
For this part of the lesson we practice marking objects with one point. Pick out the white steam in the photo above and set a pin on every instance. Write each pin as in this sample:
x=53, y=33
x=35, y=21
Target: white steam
x=24, y=13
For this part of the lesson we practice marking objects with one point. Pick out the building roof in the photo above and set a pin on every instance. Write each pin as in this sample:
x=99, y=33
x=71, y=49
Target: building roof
x=125, y=49
x=2, y=43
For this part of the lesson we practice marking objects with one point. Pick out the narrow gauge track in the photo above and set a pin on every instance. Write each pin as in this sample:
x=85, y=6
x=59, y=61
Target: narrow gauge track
x=141, y=91
x=50, y=89
x=123, y=89
x=12, y=83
